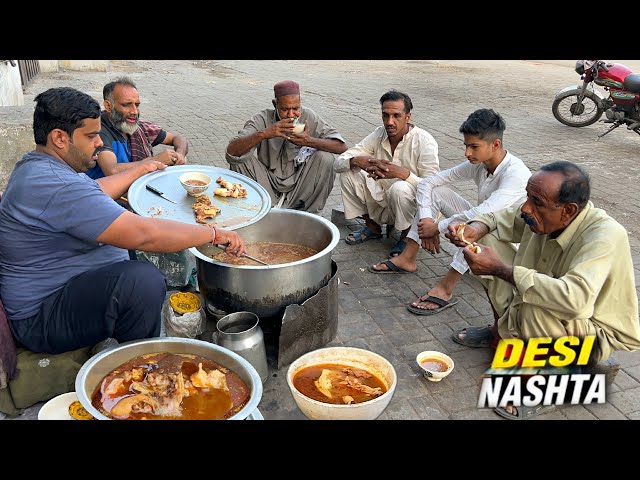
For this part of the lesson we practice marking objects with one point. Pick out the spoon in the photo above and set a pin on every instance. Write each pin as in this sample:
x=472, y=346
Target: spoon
x=224, y=247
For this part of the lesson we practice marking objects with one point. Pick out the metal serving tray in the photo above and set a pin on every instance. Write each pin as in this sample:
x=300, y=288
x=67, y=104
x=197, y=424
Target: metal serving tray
x=234, y=212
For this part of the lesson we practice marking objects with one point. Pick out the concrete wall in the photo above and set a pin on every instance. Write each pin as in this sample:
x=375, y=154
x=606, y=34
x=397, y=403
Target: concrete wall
x=10, y=85
x=83, y=65
x=16, y=131
x=16, y=138
x=77, y=65
x=48, y=66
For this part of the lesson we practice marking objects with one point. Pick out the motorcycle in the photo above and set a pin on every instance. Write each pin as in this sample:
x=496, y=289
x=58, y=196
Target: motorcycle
x=584, y=104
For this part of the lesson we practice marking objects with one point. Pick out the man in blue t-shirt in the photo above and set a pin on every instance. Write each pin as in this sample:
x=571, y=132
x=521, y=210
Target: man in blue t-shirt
x=65, y=278
x=126, y=138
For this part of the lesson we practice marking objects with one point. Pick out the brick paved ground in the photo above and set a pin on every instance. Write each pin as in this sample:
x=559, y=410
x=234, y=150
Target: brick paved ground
x=210, y=100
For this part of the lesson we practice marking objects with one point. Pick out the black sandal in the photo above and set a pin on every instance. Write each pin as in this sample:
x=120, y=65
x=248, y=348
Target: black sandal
x=524, y=413
x=475, y=337
x=397, y=249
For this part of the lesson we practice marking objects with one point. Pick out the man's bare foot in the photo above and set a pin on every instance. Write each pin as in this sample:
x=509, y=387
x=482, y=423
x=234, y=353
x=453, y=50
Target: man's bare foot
x=399, y=262
x=510, y=408
x=436, y=291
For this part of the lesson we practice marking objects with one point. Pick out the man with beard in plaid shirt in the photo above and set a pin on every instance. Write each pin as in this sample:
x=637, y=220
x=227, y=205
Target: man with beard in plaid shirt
x=126, y=138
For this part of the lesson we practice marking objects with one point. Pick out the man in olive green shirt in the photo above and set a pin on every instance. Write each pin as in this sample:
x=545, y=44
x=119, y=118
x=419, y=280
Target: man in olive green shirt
x=572, y=274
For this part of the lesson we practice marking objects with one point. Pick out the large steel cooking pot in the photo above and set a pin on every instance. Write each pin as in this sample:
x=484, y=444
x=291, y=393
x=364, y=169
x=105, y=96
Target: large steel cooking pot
x=95, y=369
x=268, y=290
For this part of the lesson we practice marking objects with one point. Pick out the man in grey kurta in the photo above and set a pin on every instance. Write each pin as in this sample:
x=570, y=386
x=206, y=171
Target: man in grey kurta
x=295, y=168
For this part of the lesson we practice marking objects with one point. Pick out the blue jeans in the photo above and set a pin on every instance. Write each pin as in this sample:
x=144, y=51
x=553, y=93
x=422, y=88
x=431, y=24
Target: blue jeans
x=121, y=301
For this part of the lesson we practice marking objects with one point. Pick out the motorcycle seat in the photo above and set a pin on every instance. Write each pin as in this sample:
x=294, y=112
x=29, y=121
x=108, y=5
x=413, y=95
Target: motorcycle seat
x=632, y=83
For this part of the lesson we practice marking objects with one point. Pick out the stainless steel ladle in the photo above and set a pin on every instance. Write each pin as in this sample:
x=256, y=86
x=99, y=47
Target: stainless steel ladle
x=224, y=247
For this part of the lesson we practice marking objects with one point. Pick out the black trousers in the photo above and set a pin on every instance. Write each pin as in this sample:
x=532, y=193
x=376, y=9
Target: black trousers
x=121, y=301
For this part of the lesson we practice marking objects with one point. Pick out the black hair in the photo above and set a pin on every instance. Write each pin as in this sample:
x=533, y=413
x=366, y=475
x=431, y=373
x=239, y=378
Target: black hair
x=64, y=108
x=394, y=95
x=576, y=187
x=484, y=123
x=107, y=90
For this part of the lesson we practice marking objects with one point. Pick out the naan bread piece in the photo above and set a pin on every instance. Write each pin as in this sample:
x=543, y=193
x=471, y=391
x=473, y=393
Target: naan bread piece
x=460, y=233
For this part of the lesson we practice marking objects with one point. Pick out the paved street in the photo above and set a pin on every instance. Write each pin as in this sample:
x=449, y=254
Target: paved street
x=209, y=101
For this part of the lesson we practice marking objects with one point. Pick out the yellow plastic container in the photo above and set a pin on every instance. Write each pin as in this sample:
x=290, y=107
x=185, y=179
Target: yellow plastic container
x=183, y=315
x=77, y=411
x=184, y=302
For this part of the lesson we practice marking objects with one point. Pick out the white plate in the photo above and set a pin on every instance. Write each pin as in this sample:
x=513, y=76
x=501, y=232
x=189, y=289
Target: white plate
x=58, y=407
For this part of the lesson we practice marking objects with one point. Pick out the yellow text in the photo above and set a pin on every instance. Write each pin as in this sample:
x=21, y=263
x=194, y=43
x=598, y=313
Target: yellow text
x=543, y=351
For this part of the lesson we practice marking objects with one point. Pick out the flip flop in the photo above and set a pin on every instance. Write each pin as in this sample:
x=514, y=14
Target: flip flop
x=362, y=235
x=524, y=413
x=444, y=304
x=476, y=337
x=393, y=268
x=397, y=249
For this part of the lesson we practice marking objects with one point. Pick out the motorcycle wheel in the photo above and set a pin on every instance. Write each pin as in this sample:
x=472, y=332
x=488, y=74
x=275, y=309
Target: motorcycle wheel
x=566, y=110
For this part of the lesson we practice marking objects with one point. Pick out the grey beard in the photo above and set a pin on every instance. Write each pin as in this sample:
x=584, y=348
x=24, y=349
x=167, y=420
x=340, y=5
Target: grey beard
x=127, y=128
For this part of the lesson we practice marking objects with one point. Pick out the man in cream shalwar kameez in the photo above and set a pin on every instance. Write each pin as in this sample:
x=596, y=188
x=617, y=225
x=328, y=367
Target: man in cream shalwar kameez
x=379, y=176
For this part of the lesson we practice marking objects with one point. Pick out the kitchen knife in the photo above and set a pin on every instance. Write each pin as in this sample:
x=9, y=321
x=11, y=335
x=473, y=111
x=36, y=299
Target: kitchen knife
x=159, y=193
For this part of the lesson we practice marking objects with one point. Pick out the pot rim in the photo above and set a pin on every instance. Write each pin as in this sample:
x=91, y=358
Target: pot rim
x=335, y=238
x=254, y=398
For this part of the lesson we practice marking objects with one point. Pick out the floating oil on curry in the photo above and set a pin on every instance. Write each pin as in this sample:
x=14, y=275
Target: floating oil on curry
x=272, y=253
x=195, y=183
x=338, y=384
x=434, y=365
x=167, y=386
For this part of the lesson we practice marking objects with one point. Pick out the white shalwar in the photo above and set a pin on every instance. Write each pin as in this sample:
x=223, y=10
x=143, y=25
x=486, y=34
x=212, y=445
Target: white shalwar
x=500, y=189
x=387, y=201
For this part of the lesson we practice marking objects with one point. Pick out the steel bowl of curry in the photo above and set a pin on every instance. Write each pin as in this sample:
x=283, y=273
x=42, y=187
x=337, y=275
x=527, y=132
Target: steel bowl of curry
x=168, y=378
